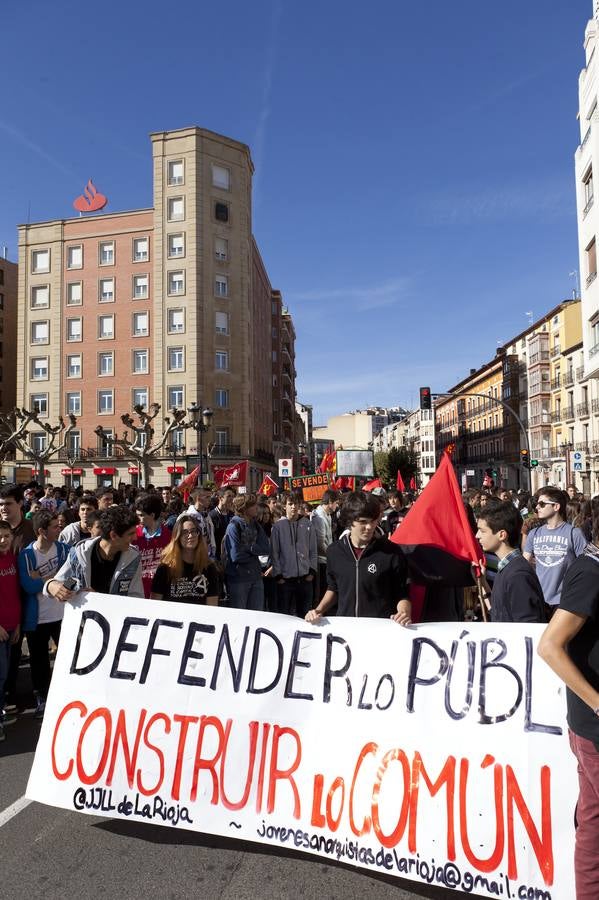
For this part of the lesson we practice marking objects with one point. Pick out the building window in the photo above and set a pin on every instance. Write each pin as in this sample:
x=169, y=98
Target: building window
x=176, y=359
x=105, y=402
x=140, y=361
x=175, y=171
x=175, y=209
x=221, y=398
x=105, y=327
x=39, y=403
x=105, y=447
x=74, y=332
x=40, y=296
x=106, y=255
x=139, y=396
x=176, y=283
x=39, y=368
x=105, y=364
x=221, y=286
x=587, y=184
x=591, y=261
x=175, y=321
x=221, y=436
x=75, y=257
x=175, y=397
x=177, y=442
x=221, y=249
x=222, y=322
x=40, y=332
x=221, y=212
x=140, y=324
x=106, y=290
x=74, y=293
x=176, y=245
x=140, y=286
x=38, y=441
x=221, y=178
x=40, y=261
x=140, y=249
x=1, y=301
x=222, y=360
x=74, y=403
x=74, y=366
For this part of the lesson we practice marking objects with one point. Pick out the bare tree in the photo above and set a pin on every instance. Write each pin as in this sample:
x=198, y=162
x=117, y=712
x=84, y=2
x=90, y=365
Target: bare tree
x=141, y=446
x=12, y=426
x=21, y=420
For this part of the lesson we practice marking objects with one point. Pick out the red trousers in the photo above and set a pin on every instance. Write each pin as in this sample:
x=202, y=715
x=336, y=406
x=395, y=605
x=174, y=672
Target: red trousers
x=586, y=853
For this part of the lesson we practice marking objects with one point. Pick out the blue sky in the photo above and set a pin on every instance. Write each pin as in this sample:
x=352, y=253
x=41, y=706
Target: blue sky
x=414, y=187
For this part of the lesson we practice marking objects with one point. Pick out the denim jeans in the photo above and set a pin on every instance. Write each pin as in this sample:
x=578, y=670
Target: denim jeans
x=39, y=655
x=245, y=594
x=295, y=597
x=4, y=664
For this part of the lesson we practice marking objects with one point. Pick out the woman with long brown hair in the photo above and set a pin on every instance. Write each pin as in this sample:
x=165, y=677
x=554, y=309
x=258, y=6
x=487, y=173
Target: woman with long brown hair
x=185, y=573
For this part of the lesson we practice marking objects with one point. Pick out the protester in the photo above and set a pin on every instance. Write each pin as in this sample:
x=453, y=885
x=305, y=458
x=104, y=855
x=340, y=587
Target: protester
x=105, y=497
x=243, y=545
x=108, y=564
x=394, y=512
x=11, y=510
x=322, y=521
x=366, y=574
x=80, y=530
x=151, y=536
x=199, y=507
x=220, y=517
x=570, y=645
x=516, y=595
x=42, y=614
x=553, y=545
x=10, y=615
x=185, y=573
x=294, y=559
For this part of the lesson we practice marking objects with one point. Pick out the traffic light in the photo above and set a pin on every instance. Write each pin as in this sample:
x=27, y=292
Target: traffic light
x=534, y=463
x=425, y=398
x=525, y=459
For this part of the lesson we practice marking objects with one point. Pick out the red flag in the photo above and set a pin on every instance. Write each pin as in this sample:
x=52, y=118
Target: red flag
x=399, y=482
x=328, y=462
x=345, y=481
x=371, y=485
x=437, y=525
x=190, y=481
x=269, y=486
x=231, y=476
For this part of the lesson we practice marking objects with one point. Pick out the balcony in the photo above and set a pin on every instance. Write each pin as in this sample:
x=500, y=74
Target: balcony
x=594, y=447
x=580, y=373
x=543, y=418
x=555, y=351
x=541, y=356
x=595, y=406
x=590, y=278
x=556, y=383
x=542, y=387
x=569, y=378
x=226, y=450
x=582, y=447
x=582, y=410
x=569, y=413
x=556, y=415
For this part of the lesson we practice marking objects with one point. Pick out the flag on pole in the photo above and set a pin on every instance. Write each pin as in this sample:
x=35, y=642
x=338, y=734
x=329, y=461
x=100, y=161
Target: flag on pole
x=190, y=481
x=328, y=462
x=269, y=486
x=371, y=485
x=399, y=482
x=345, y=481
x=231, y=476
x=435, y=535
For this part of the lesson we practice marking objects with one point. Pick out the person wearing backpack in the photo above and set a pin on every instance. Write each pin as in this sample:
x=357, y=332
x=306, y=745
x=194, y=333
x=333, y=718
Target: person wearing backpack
x=553, y=545
x=245, y=541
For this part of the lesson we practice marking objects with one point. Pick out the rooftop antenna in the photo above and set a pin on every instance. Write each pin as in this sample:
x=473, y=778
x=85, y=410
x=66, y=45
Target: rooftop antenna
x=529, y=313
x=574, y=273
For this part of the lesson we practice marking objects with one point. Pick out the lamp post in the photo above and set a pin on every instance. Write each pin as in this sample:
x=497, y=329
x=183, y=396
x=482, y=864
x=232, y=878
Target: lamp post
x=301, y=449
x=200, y=420
x=566, y=447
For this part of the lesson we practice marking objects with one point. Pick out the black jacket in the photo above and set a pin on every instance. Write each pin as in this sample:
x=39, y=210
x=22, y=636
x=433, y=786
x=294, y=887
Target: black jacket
x=371, y=586
x=517, y=595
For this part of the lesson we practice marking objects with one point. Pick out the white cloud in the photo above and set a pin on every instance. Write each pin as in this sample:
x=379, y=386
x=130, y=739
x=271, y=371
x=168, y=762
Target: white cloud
x=363, y=298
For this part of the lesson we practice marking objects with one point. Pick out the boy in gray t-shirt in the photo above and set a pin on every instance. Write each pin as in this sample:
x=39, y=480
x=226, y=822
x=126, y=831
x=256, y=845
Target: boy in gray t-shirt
x=554, y=545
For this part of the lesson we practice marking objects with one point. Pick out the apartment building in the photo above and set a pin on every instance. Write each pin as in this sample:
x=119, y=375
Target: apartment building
x=416, y=433
x=170, y=304
x=8, y=333
x=485, y=436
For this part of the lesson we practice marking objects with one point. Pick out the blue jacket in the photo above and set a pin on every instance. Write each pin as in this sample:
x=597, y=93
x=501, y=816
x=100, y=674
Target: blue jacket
x=243, y=543
x=34, y=586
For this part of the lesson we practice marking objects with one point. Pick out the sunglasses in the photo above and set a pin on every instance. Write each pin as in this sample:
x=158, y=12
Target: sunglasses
x=544, y=503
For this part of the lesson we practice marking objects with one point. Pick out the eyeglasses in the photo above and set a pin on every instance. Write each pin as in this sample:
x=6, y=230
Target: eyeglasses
x=544, y=503
x=189, y=533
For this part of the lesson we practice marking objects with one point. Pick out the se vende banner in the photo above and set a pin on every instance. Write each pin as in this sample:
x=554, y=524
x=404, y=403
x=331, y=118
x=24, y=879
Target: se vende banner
x=436, y=753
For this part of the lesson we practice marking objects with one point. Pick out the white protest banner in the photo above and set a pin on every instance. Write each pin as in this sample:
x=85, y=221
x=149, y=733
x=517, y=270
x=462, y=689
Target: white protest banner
x=437, y=753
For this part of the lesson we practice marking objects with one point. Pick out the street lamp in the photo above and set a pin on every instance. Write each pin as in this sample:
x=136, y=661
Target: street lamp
x=566, y=447
x=200, y=422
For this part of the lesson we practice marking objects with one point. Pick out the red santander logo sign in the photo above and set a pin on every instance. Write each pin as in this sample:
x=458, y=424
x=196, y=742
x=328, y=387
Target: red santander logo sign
x=91, y=200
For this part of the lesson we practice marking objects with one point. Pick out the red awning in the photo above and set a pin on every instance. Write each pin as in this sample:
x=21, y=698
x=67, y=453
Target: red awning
x=133, y=470
x=175, y=470
x=108, y=470
x=71, y=471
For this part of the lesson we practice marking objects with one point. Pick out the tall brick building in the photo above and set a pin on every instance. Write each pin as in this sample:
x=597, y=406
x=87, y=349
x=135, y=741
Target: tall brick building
x=8, y=328
x=170, y=304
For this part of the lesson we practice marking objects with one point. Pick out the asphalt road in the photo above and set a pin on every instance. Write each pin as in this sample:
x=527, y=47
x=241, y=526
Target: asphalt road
x=52, y=853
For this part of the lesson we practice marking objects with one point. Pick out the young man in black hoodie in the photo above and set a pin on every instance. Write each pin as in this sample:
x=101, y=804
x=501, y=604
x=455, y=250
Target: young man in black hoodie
x=366, y=574
x=516, y=595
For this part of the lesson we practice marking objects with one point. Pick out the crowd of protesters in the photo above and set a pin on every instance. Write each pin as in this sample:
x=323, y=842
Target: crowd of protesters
x=278, y=554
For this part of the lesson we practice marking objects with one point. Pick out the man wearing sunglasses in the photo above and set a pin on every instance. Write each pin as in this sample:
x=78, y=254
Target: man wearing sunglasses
x=553, y=545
